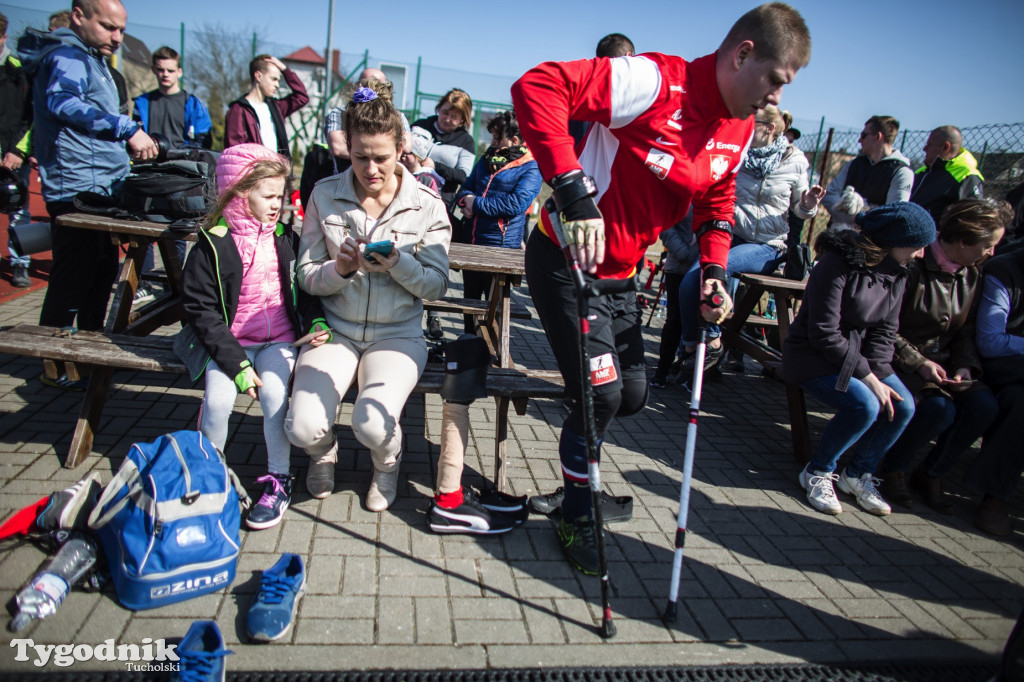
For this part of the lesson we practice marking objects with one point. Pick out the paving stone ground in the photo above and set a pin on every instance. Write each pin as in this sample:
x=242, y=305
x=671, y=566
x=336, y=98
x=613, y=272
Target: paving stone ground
x=765, y=579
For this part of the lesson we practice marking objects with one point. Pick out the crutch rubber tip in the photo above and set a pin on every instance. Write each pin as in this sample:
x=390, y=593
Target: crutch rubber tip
x=671, y=611
x=607, y=629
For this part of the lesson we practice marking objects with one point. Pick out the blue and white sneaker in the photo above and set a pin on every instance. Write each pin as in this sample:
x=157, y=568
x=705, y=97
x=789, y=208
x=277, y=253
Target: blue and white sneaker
x=270, y=509
x=271, y=615
x=201, y=654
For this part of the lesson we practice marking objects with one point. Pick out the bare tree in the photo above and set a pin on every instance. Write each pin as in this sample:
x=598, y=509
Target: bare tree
x=217, y=68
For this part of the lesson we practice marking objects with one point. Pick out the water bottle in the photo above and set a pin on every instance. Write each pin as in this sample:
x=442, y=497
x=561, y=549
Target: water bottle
x=663, y=305
x=46, y=592
x=770, y=310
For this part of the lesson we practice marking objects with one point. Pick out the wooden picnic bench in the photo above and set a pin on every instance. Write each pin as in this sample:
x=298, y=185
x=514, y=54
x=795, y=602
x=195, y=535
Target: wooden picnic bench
x=787, y=293
x=101, y=350
x=506, y=265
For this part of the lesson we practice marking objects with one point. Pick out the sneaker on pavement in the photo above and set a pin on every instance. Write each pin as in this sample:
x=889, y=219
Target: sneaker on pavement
x=613, y=509
x=19, y=276
x=434, y=327
x=579, y=544
x=712, y=355
x=820, y=492
x=658, y=381
x=734, y=360
x=281, y=586
x=277, y=495
x=143, y=295
x=512, y=505
x=69, y=508
x=201, y=654
x=469, y=517
x=64, y=383
x=865, y=490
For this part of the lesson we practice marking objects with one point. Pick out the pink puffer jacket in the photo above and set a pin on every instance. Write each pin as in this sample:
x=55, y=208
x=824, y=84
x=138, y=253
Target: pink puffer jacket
x=261, y=316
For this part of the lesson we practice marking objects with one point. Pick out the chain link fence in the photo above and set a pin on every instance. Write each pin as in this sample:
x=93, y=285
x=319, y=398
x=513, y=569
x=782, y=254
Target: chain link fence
x=998, y=149
x=215, y=63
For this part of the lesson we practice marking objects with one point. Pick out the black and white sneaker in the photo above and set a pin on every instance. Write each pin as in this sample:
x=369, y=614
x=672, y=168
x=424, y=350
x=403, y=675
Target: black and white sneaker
x=69, y=508
x=510, y=505
x=469, y=517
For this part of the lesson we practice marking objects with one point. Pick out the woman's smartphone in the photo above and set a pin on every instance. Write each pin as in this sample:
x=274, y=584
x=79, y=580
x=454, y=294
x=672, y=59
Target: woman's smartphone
x=382, y=247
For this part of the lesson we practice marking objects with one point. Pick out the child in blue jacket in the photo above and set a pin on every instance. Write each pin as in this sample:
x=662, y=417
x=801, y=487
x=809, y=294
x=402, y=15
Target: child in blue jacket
x=495, y=198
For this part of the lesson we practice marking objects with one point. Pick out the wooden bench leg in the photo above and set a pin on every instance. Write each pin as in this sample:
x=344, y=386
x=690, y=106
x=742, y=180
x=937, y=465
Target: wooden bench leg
x=500, y=435
x=798, y=423
x=89, y=416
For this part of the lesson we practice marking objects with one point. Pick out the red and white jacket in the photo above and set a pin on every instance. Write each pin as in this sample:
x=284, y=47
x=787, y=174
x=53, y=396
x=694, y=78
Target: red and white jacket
x=665, y=140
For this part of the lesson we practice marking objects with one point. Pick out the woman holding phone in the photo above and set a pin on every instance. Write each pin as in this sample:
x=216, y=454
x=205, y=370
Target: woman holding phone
x=936, y=355
x=374, y=244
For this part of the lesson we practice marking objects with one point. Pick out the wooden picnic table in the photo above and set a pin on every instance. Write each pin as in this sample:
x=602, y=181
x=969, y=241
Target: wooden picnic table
x=507, y=266
x=787, y=294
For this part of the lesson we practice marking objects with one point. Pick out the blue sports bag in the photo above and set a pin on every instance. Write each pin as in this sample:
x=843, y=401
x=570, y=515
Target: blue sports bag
x=168, y=521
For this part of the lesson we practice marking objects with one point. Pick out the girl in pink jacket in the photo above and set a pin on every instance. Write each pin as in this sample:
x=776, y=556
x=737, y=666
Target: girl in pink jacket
x=241, y=300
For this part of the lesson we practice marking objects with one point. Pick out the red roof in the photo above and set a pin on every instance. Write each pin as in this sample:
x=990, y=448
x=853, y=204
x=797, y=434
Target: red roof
x=306, y=55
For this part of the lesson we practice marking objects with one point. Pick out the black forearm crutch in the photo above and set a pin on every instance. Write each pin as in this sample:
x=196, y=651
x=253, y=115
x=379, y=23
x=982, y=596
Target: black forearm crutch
x=671, y=609
x=584, y=291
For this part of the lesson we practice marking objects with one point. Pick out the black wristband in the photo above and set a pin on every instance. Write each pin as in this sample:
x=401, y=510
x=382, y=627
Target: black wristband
x=713, y=271
x=568, y=188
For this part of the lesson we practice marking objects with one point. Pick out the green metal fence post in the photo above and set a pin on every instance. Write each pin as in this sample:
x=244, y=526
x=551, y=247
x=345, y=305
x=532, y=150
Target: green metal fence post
x=181, y=52
x=416, y=99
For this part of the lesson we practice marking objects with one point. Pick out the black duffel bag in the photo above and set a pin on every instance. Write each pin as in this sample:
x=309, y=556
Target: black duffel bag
x=181, y=188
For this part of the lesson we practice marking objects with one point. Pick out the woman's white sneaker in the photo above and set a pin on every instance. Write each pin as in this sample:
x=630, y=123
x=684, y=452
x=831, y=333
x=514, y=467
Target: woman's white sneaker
x=820, y=492
x=865, y=489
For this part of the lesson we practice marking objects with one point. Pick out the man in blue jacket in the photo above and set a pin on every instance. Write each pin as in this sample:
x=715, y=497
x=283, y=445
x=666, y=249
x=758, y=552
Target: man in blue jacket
x=176, y=114
x=80, y=141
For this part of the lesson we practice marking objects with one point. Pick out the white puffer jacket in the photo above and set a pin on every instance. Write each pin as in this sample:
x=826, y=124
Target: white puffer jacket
x=763, y=204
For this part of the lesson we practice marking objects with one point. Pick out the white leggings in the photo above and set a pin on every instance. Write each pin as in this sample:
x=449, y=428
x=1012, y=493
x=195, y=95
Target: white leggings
x=273, y=363
x=387, y=372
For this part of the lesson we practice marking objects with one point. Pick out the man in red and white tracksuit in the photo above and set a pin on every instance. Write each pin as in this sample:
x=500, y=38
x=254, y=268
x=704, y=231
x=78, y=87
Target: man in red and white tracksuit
x=669, y=133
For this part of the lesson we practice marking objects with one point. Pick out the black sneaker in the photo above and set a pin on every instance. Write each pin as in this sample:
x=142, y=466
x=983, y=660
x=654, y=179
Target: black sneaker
x=711, y=358
x=513, y=506
x=734, y=360
x=143, y=295
x=434, y=327
x=614, y=509
x=579, y=544
x=469, y=517
x=658, y=381
x=69, y=508
x=64, y=383
x=270, y=509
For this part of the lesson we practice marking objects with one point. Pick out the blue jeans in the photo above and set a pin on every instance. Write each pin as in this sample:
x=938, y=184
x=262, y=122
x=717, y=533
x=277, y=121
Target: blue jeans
x=20, y=216
x=955, y=423
x=858, y=420
x=758, y=258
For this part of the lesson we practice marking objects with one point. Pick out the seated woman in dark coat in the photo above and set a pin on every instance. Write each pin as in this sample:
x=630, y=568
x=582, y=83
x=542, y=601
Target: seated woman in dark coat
x=840, y=348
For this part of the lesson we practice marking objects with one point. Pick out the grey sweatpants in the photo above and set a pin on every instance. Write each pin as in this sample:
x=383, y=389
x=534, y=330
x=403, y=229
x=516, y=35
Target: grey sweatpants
x=387, y=371
x=273, y=363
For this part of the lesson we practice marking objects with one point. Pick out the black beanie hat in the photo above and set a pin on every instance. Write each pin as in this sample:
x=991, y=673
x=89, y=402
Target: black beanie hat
x=900, y=223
